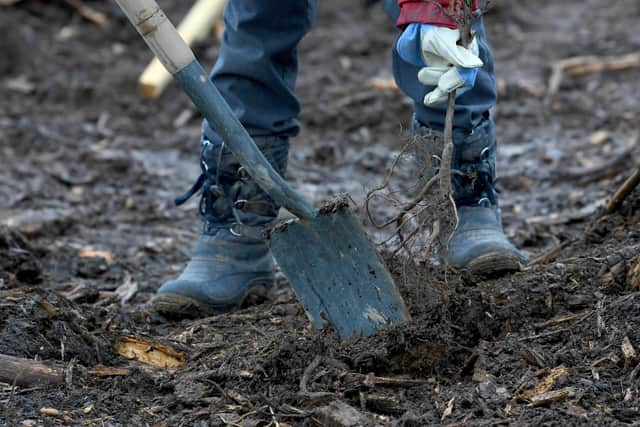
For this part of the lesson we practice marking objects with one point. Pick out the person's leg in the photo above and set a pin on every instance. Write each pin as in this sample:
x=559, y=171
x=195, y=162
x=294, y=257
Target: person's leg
x=479, y=243
x=391, y=8
x=256, y=73
x=257, y=67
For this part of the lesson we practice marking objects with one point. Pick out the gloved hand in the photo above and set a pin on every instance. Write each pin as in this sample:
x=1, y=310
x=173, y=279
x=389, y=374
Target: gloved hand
x=446, y=65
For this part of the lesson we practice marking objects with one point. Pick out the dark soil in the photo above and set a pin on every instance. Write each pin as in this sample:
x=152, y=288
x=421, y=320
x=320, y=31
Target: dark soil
x=89, y=232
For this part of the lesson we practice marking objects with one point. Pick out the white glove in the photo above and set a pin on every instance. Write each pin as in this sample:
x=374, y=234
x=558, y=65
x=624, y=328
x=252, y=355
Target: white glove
x=446, y=65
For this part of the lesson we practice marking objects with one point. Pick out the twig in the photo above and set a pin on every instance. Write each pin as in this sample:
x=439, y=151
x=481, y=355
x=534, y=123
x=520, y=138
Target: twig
x=385, y=184
x=552, y=253
x=26, y=372
x=558, y=331
x=98, y=18
x=552, y=396
x=307, y=373
x=621, y=193
x=372, y=380
x=581, y=65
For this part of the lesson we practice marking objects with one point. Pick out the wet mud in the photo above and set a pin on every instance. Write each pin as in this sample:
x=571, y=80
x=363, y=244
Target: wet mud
x=88, y=232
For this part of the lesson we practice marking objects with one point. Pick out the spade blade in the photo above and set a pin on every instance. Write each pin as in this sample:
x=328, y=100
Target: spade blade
x=336, y=272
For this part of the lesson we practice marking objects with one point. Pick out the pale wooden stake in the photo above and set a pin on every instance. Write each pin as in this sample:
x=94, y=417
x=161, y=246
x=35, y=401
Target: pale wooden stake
x=196, y=26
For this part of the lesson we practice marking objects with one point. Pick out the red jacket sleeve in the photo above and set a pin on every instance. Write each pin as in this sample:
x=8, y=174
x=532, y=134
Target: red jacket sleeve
x=426, y=12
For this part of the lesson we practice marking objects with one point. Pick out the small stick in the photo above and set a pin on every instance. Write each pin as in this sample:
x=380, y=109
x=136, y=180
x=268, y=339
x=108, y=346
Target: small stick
x=87, y=12
x=372, y=380
x=581, y=65
x=27, y=373
x=552, y=253
x=552, y=396
x=621, y=194
x=307, y=373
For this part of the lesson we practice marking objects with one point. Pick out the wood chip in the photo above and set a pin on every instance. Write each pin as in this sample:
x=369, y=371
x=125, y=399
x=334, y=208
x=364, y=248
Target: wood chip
x=546, y=383
x=383, y=83
x=127, y=290
x=20, y=84
x=552, y=396
x=372, y=380
x=577, y=410
x=628, y=351
x=149, y=352
x=89, y=252
x=449, y=409
x=52, y=412
x=103, y=371
x=55, y=413
x=599, y=137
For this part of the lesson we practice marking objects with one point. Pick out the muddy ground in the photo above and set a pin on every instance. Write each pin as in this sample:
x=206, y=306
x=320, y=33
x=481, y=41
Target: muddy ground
x=89, y=232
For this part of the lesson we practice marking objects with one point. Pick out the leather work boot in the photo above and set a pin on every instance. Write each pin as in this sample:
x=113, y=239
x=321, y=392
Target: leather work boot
x=479, y=243
x=230, y=259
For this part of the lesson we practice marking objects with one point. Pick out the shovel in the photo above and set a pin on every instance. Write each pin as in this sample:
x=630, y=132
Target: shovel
x=325, y=254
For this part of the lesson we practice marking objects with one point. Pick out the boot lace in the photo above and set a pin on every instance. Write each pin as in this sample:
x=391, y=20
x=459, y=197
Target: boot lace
x=477, y=186
x=211, y=188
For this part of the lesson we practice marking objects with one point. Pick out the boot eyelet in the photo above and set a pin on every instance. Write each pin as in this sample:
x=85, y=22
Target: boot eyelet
x=243, y=174
x=240, y=204
x=484, y=202
x=234, y=232
x=484, y=154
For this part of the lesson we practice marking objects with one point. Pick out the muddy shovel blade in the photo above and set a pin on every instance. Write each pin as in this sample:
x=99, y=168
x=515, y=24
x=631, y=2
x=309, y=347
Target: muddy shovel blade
x=337, y=274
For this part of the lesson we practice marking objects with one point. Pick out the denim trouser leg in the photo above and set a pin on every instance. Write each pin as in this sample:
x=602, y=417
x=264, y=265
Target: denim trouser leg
x=472, y=108
x=257, y=66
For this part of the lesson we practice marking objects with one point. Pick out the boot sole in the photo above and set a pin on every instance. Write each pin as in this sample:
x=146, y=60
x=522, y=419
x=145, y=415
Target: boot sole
x=495, y=263
x=176, y=306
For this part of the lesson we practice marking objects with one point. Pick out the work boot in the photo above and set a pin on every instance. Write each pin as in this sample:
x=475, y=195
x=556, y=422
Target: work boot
x=478, y=244
x=231, y=258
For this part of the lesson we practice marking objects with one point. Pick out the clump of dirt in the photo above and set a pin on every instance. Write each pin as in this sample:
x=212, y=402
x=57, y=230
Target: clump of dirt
x=19, y=260
x=43, y=324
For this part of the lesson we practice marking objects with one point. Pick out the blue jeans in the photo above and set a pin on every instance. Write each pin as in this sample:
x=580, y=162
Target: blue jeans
x=257, y=68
